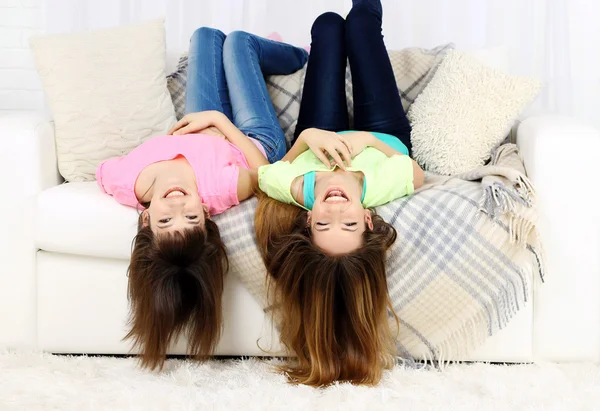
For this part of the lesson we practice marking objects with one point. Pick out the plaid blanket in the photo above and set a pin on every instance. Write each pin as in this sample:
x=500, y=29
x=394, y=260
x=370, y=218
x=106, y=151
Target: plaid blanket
x=455, y=273
x=466, y=244
x=176, y=82
x=459, y=270
x=413, y=68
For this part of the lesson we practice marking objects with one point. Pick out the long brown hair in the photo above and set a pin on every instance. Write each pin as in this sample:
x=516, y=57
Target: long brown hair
x=333, y=311
x=175, y=287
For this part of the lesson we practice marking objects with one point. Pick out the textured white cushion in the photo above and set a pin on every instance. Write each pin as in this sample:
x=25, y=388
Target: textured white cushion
x=466, y=110
x=107, y=92
x=78, y=218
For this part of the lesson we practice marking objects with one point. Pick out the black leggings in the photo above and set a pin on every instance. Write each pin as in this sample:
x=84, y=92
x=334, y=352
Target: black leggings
x=377, y=104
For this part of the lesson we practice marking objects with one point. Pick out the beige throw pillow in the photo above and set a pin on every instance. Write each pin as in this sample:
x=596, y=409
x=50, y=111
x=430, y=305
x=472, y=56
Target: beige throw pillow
x=107, y=92
x=466, y=110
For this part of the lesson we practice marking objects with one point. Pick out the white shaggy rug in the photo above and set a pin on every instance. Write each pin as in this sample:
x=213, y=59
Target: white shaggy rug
x=34, y=381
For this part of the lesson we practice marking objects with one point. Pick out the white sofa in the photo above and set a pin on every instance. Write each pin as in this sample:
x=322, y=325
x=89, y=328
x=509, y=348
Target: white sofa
x=64, y=252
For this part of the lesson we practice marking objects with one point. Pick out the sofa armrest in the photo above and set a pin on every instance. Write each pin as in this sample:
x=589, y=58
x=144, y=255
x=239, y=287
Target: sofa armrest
x=561, y=158
x=27, y=166
x=28, y=153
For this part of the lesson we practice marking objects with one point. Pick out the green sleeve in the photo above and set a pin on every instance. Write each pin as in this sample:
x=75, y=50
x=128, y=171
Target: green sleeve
x=275, y=180
x=389, y=180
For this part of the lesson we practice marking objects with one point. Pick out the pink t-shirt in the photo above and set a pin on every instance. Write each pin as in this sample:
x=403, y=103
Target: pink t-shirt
x=215, y=162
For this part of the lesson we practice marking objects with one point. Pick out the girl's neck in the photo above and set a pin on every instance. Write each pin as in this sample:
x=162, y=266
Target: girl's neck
x=297, y=189
x=163, y=175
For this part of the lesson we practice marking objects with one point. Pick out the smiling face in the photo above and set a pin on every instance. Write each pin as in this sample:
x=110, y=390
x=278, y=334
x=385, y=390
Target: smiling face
x=338, y=219
x=174, y=209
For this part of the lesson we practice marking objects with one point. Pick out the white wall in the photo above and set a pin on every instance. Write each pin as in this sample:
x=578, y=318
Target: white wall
x=19, y=84
x=554, y=40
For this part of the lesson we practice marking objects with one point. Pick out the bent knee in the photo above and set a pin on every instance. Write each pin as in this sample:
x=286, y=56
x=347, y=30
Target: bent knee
x=238, y=36
x=237, y=41
x=328, y=19
x=328, y=22
x=204, y=33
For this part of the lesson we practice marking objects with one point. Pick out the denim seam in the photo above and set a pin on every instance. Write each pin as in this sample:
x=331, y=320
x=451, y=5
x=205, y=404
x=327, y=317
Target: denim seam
x=259, y=52
x=274, y=144
x=215, y=71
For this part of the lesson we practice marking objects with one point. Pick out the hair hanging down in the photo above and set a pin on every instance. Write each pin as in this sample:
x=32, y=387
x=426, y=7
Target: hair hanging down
x=333, y=310
x=175, y=287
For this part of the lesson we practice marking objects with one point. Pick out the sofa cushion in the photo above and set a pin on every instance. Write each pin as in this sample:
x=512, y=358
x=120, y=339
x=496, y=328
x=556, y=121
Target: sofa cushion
x=107, y=92
x=466, y=110
x=78, y=218
x=453, y=274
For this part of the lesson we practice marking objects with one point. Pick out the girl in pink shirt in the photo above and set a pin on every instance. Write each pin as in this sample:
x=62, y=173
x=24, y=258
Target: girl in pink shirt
x=207, y=164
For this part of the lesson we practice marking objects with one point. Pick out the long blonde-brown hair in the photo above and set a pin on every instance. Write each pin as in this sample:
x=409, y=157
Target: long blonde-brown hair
x=176, y=287
x=333, y=311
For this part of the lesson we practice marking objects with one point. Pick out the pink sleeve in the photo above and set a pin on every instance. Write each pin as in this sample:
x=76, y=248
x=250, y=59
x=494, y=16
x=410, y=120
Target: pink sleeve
x=125, y=197
x=112, y=183
x=99, y=175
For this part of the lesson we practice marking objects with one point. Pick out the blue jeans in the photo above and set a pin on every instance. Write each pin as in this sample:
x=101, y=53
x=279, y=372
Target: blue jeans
x=358, y=39
x=225, y=73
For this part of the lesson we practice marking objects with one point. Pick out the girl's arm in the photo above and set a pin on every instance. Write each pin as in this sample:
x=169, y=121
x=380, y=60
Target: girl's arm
x=195, y=122
x=253, y=155
x=247, y=183
x=360, y=139
x=418, y=174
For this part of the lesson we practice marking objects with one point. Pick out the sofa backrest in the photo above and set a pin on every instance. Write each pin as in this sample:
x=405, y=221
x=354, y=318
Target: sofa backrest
x=496, y=57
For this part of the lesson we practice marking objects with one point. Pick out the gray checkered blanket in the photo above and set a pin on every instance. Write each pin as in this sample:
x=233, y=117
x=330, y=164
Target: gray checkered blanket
x=467, y=245
x=457, y=272
x=176, y=83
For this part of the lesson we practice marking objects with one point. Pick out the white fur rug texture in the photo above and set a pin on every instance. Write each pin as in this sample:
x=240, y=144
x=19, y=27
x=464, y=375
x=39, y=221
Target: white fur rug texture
x=34, y=381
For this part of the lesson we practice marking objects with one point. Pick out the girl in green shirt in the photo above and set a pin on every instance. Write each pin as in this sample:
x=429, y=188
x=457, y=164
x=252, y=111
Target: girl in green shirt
x=322, y=244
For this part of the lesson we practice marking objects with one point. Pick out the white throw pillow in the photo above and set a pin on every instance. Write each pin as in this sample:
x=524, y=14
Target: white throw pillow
x=107, y=92
x=466, y=110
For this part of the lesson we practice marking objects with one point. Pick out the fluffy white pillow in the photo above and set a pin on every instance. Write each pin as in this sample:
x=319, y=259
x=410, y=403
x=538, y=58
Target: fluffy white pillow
x=466, y=110
x=107, y=92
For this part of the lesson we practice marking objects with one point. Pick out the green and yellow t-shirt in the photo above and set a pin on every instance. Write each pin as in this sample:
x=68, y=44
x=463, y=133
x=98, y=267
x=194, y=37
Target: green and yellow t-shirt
x=385, y=178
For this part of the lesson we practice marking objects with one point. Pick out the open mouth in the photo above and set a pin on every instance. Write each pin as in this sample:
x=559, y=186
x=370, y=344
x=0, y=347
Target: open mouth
x=175, y=192
x=335, y=195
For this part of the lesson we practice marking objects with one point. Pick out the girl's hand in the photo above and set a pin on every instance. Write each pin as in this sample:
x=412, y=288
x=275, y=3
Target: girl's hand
x=358, y=141
x=213, y=131
x=195, y=122
x=323, y=143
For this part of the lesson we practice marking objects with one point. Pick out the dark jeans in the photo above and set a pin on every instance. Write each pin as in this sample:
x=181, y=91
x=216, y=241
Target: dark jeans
x=377, y=104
